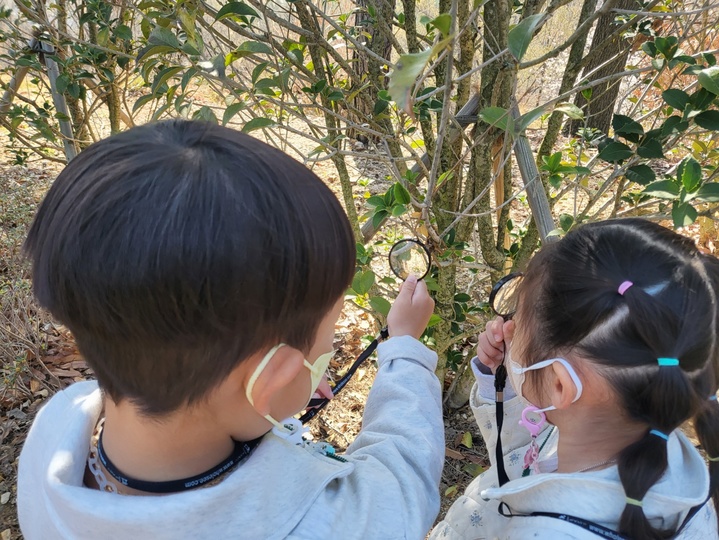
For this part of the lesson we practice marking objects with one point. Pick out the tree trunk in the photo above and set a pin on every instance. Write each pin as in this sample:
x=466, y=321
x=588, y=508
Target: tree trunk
x=598, y=111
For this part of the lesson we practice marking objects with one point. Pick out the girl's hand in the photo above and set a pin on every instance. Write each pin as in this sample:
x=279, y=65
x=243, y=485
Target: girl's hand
x=411, y=310
x=491, y=342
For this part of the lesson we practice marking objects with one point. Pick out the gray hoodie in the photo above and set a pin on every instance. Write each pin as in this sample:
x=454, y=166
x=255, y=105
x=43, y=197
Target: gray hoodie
x=593, y=496
x=387, y=487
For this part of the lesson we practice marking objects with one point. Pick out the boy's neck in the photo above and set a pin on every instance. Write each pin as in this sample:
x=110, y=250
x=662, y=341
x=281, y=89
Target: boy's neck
x=177, y=446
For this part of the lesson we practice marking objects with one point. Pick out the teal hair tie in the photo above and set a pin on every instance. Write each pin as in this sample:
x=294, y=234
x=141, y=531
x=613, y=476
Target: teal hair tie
x=659, y=434
x=668, y=361
x=713, y=397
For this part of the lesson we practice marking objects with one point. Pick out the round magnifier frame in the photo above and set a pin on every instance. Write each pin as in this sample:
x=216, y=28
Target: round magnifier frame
x=495, y=291
x=417, y=243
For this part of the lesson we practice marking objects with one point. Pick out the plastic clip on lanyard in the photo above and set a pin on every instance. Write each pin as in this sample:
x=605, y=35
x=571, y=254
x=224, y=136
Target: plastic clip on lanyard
x=319, y=404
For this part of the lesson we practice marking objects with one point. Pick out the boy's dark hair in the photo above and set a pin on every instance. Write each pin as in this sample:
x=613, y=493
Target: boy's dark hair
x=569, y=300
x=175, y=250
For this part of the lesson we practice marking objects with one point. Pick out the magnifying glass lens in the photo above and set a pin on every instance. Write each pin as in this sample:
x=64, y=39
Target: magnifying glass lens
x=409, y=257
x=504, y=297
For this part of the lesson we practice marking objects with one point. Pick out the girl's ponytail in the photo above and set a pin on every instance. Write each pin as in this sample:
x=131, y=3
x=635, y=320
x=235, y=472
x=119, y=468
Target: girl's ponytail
x=706, y=424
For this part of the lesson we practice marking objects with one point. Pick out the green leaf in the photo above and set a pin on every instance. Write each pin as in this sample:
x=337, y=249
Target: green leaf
x=673, y=124
x=467, y=439
x=405, y=73
x=627, y=128
x=641, y=174
x=571, y=110
x=689, y=174
x=380, y=305
x=401, y=194
x=366, y=281
x=663, y=189
x=163, y=36
x=497, y=117
x=650, y=48
x=258, y=123
x=615, y=151
x=566, y=221
x=378, y=217
x=676, y=98
x=443, y=23
x=462, y=297
x=162, y=77
x=667, y=46
x=251, y=47
x=377, y=201
x=551, y=163
x=651, y=148
x=524, y=121
x=187, y=77
x=143, y=100
x=709, y=79
x=434, y=320
x=205, y=114
x=683, y=214
x=123, y=32
x=708, y=120
x=709, y=192
x=238, y=9
x=702, y=99
x=521, y=35
x=398, y=210
x=231, y=111
x=62, y=82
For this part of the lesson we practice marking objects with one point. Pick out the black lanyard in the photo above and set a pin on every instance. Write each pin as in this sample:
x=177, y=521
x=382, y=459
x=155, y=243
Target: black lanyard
x=500, y=379
x=320, y=403
x=596, y=528
x=240, y=452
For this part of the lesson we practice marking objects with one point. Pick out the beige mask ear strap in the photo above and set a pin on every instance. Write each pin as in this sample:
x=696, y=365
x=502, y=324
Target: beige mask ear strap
x=258, y=370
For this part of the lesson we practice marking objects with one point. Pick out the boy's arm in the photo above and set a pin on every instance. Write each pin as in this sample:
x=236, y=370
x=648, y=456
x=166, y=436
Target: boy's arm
x=402, y=437
x=399, y=453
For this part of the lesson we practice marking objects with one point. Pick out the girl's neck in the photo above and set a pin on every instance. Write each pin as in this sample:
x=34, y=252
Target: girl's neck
x=586, y=443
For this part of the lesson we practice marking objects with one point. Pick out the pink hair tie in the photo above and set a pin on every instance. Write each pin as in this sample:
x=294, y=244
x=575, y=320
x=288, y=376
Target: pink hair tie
x=624, y=286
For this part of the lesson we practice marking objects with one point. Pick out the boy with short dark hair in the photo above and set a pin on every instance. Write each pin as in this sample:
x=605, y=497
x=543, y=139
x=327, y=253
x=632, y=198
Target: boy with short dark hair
x=202, y=272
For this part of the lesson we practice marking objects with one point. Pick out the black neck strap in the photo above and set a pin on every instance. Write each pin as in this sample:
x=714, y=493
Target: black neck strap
x=596, y=528
x=240, y=452
x=316, y=405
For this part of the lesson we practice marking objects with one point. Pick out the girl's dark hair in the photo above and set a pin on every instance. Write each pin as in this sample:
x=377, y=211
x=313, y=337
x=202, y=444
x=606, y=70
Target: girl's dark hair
x=175, y=250
x=572, y=303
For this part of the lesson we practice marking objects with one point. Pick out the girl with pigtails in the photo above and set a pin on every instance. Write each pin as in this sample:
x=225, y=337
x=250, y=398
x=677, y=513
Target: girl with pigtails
x=612, y=350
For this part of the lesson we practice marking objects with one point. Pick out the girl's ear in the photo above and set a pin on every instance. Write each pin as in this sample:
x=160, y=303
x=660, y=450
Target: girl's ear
x=283, y=368
x=563, y=390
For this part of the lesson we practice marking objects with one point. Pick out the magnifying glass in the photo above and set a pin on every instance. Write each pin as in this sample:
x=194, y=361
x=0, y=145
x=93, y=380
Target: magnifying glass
x=409, y=256
x=503, y=298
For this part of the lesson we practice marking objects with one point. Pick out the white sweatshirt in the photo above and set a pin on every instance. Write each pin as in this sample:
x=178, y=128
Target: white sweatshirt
x=387, y=489
x=593, y=496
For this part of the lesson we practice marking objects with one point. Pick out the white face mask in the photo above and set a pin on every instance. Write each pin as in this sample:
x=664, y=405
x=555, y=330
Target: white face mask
x=516, y=374
x=317, y=371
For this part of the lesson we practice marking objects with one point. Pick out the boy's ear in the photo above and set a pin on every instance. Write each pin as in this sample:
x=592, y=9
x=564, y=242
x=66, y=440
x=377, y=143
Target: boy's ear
x=283, y=368
x=563, y=390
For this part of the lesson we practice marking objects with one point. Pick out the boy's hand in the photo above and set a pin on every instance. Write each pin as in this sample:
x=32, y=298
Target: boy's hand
x=491, y=342
x=411, y=310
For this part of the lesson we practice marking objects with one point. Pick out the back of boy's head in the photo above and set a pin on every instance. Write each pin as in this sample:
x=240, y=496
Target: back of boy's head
x=570, y=300
x=175, y=250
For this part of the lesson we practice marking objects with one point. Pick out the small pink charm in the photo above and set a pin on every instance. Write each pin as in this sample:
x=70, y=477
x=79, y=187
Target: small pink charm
x=533, y=419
